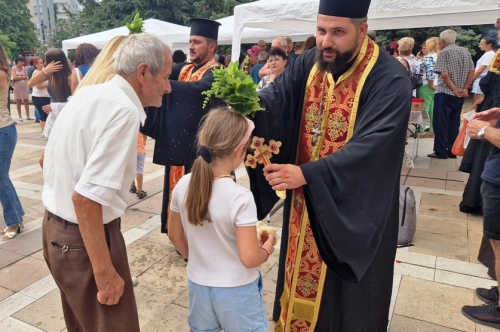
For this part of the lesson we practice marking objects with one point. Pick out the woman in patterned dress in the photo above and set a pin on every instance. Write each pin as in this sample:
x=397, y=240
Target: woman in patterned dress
x=21, y=91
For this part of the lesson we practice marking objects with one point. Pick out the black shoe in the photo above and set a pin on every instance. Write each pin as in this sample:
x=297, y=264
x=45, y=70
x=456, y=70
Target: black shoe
x=434, y=155
x=486, y=314
x=488, y=295
x=452, y=156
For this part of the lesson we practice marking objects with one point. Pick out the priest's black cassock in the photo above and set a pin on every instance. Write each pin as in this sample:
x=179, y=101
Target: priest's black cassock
x=174, y=125
x=351, y=195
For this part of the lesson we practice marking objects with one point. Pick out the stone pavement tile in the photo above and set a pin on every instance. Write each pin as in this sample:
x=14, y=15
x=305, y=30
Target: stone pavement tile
x=455, y=185
x=8, y=257
x=474, y=251
x=472, y=269
x=13, y=304
x=172, y=318
x=183, y=299
x=461, y=280
x=270, y=280
x=45, y=313
x=5, y=293
x=441, y=245
x=132, y=218
x=36, y=178
x=415, y=258
x=402, y=179
x=155, y=236
x=266, y=267
x=445, y=164
x=27, y=202
x=450, y=227
x=23, y=273
x=425, y=182
x=428, y=173
x=38, y=255
x=160, y=285
x=150, y=168
x=26, y=244
x=436, y=199
x=269, y=302
x=435, y=303
x=415, y=271
x=405, y=324
x=405, y=170
x=457, y=176
x=474, y=217
x=15, y=325
x=151, y=205
x=441, y=212
x=142, y=255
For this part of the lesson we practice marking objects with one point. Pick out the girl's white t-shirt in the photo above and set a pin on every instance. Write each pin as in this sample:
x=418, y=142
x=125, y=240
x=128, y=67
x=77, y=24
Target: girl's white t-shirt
x=40, y=92
x=486, y=61
x=213, y=251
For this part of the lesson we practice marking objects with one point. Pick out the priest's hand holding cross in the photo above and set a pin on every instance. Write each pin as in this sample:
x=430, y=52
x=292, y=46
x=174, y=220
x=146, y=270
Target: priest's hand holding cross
x=283, y=177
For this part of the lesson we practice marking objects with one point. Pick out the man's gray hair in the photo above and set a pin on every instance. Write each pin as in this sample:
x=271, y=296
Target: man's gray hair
x=140, y=48
x=449, y=37
x=283, y=41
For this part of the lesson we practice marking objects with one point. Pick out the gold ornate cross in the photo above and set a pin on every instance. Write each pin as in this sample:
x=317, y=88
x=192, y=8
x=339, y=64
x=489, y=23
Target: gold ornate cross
x=262, y=155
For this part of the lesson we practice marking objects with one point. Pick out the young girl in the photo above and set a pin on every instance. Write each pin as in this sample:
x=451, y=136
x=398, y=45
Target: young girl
x=212, y=223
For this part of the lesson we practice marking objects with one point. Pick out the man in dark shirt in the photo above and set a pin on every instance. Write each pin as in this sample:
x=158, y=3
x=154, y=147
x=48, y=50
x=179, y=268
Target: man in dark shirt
x=486, y=126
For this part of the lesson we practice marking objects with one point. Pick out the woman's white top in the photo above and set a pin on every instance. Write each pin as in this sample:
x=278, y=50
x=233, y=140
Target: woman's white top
x=40, y=92
x=485, y=60
x=213, y=251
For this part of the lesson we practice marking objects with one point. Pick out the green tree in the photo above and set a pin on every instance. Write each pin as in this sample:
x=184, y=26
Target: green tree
x=15, y=23
x=9, y=46
x=214, y=9
x=63, y=29
x=467, y=36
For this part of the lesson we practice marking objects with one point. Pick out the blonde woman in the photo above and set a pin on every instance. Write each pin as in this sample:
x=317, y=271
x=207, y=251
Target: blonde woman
x=102, y=69
x=427, y=91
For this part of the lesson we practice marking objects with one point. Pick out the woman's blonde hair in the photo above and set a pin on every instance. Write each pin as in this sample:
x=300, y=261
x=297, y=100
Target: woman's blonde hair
x=4, y=61
x=406, y=45
x=102, y=70
x=433, y=45
x=220, y=134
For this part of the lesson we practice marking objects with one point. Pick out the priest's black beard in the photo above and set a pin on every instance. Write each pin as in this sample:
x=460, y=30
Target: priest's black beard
x=339, y=64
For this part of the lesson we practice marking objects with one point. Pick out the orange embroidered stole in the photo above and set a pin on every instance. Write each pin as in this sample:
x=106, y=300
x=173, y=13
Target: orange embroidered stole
x=305, y=271
x=186, y=75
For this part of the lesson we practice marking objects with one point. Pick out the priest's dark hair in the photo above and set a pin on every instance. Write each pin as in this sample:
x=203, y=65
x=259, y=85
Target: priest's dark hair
x=221, y=132
x=358, y=21
x=210, y=41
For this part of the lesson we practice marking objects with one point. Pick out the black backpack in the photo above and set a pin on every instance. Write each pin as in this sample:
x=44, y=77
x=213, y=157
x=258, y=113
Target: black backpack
x=416, y=79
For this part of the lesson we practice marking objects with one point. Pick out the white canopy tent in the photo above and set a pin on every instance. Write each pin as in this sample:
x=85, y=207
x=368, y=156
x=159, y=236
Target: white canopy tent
x=100, y=39
x=180, y=38
x=300, y=15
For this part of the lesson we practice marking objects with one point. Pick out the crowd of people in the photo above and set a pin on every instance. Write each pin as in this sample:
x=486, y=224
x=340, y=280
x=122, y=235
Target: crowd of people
x=98, y=111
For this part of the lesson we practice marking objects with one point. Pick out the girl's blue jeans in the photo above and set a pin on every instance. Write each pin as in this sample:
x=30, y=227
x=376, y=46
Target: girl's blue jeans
x=12, y=210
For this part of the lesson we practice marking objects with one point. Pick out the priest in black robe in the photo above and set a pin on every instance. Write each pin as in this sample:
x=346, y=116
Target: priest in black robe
x=341, y=112
x=174, y=125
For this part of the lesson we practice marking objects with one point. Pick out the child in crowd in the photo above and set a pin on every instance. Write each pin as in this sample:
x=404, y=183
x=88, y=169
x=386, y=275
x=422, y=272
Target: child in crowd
x=212, y=223
x=141, y=157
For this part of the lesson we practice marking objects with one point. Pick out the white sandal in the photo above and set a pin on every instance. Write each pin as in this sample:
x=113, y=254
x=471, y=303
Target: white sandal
x=10, y=235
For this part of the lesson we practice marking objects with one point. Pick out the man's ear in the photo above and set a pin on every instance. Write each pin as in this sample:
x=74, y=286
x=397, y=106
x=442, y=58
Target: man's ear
x=363, y=29
x=212, y=47
x=141, y=72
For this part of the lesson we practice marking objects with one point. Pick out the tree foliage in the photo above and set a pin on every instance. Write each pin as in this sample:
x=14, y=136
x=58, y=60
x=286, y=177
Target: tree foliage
x=467, y=36
x=16, y=25
x=69, y=28
x=9, y=46
x=107, y=14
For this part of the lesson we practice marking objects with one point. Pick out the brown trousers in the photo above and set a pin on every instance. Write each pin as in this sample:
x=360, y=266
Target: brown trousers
x=69, y=263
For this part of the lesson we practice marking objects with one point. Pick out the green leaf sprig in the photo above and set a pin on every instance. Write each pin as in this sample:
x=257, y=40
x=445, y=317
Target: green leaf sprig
x=136, y=25
x=236, y=88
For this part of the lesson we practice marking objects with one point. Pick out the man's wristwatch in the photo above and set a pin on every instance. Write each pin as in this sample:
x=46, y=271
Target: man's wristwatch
x=480, y=133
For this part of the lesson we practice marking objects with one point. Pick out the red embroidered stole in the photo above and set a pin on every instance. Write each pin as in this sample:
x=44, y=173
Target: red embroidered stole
x=186, y=75
x=305, y=271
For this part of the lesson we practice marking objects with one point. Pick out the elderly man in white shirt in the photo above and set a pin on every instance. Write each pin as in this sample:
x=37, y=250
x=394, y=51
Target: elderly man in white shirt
x=89, y=162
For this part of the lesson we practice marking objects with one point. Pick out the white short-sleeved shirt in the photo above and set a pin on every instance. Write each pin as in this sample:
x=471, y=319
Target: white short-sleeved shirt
x=486, y=61
x=213, y=251
x=93, y=144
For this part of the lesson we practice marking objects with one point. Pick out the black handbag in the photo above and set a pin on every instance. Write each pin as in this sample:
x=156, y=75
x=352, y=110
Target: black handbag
x=416, y=79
